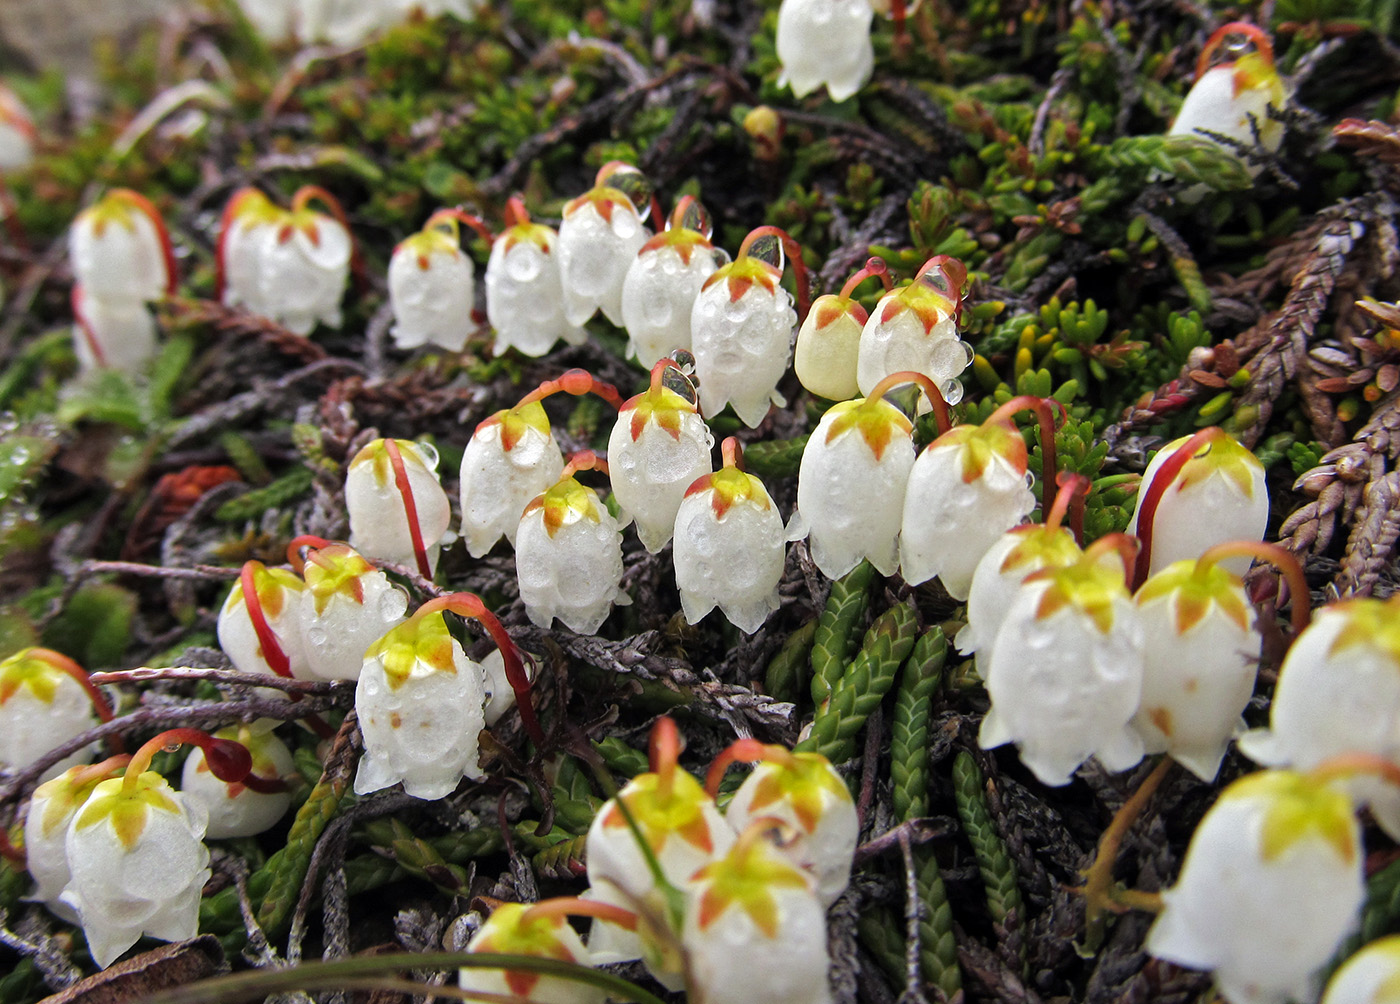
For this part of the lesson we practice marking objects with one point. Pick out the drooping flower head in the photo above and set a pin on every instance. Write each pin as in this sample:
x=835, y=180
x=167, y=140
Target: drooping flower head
x=599, y=238
x=915, y=327
x=398, y=509
x=259, y=624
x=250, y=805
x=46, y=699
x=825, y=42
x=828, y=343
x=524, y=297
x=742, y=326
x=663, y=281
x=1236, y=86
x=512, y=457
x=432, y=283
x=728, y=549
x=658, y=447
x=51, y=809
x=120, y=249
x=346, y=606
x=540, y=930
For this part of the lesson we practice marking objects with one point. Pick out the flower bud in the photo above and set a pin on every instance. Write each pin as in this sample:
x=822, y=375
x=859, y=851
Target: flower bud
x=420, y=702
x=120, y=250
x=965, y=491
x=1066, y=673
x=234, y=809
x=741, y=329
x=347, y=606
x=915, y=327
x=138, y=865
x=1201, y=655
x=513, y=929
x=657, y=449
x=660, y=288
x=398, y=509
x=825, y=42
x=41, y=706
x=1217, y=496
x=1338, y=692
x=1272, y=882
x=432, y=286
x=755, y=930
x=275, y=645
x=110, y=333
x=1368, y=977
x=568, y=558
x=17, y=133
x=729, y=549
x=828, y=345
x=851, y=484
x=524, y=297
x=599, y=238
x=510, y=459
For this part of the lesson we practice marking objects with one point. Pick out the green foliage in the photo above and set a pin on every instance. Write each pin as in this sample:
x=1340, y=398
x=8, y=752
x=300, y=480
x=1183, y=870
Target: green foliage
x=835, y=636
x=787, y=668
x=998, y=871
x=94, y=628
x=1191, y=159
x=909, y=731
x=278, y=495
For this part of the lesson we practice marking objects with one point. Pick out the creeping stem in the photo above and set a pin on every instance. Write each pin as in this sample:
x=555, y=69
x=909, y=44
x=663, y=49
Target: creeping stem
x=941, y=414
x=1147, y=510
x=1280, y=558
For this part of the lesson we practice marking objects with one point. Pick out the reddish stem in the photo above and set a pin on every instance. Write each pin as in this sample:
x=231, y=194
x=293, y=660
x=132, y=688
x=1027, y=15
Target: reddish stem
x=317, y=724
x=294, y=557
x=146, y=206
x=611, y=167
x=941, y=414
x=664, y=752
x=515, y=212
x=461, y=216
x=10, y=208
x=682, y=206
x=1261, y=42
x=572, y=906
x=584, y=460
x=11, y=853
x=1166, y=474
x=794, y=255
x=272, y=651
x=228, y=760
x=100, y=771
x=75, y=298
x=732, y=453
x=410, y=507
x=739, y=751
x=99, y=701
x=305, y=194
x=955, y=272
x=1125, y=544
x=1045, y=418
x=874, y=267
x=576, y=382
x=1071, y=487
x=470, y=606
x=1281, y=558
x=1350, y=764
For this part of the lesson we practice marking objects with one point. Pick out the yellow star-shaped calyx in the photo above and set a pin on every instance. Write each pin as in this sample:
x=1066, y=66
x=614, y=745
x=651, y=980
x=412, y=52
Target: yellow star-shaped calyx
x=31, y=671
x=565, y=499
x=335, y=569
x=662, y=406
x=1193, y=592
x=877, y=421
x=742, y=274
x=747, y=877
x=1372, y=623
x=730, y=486
x=1085, y=586
x=422, y=639
x=1300, y=807
x=661, y=814
x=128, y=810
x=804, y=782
x=513, y=932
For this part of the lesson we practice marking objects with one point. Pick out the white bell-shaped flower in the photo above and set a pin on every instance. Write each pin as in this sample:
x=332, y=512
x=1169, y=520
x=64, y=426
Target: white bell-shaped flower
x=967, y=489
x=728, y=548
x=51, y=809
x=112, y=333
x=828, y=343
x=45, y=700
x=264, y=635
x=347, y=605
x=825, y=42
x=1272, y=882
x=1338, y=692
x=599, y=238
x=136, y=854
x=851, y=483
x=741, y=329
x=1233, y=99
x=432, y=285
x=1197, y=492
x=512, y=457
x=568, y=555
x=915, y=327
x=755, y=929
x=523, y=929
x=250, y=220
x=120, y=250
x=344, y=23
x=1201, y=656
x=1066, y=673
x=663, y=281
x=1368, y=977
x=657, y=449
x=237, y=808
x=524, y=296
x=17, y=132
x=803, y=792
x=398, y=509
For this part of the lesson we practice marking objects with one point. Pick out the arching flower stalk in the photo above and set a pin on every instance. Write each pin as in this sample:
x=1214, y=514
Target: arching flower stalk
x=346, y=606
x=658, y=447
x=915, y=327
x=512, y=457
x=135, y=850
x=967, y=489
x=852, y=480
x=802, y=792
x=599, y=237
x=290, y=266
x=421, y=702
x=828, y=343
x=120, y=249
x=742, y=325
x=538, y=929
x=250, y=805
x=259, y=625
x=397, y=507
x=663, y=281
x=568, y=553
x=1066, y=673
x=825, y=42
x=46, y=699
x=728, y=548
x=1199, y=491
x=1019, y=553
x=432, y=283
x=524, y=297
x=51, y=809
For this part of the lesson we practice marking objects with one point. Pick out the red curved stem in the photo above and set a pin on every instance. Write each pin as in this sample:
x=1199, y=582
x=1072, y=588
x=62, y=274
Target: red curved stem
x=410, y=507
x=941, y=414
x=272, y=652
x=1282, y=559
x=1147, y=509
x=794, y=255
x=576, y=382
x=515, y=212
x=874, y=267
x=167, y=249
x=461, y=216
x=664, y=752
x=294, y=557
x=1261, y=41
x=1045, y=418
x=740, y=750
x=1071, y=487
